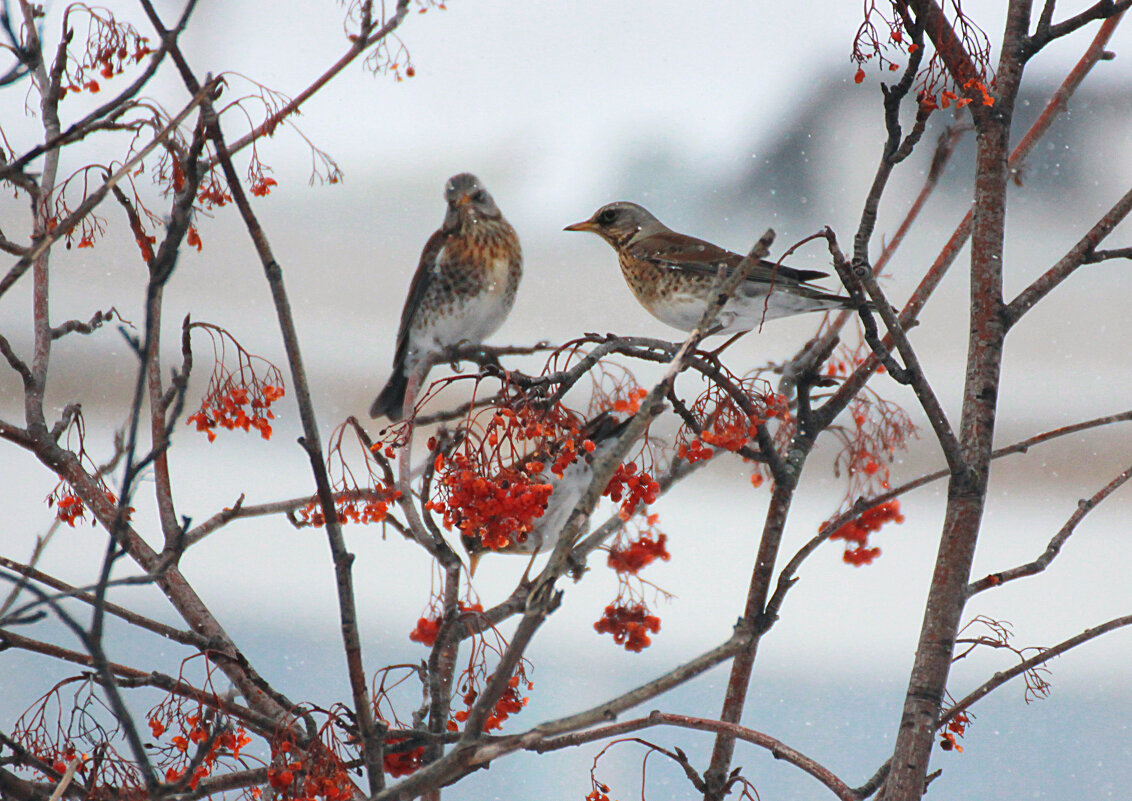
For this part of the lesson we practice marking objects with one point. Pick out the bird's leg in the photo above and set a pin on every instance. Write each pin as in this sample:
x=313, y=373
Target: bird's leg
x=490, y=359
x=481, y=355
x=734, y=337
x=577, y=566
x=453, y=356
x=526, y=579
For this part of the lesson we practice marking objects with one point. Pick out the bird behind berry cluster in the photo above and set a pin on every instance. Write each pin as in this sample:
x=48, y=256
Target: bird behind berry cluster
x=568, y=489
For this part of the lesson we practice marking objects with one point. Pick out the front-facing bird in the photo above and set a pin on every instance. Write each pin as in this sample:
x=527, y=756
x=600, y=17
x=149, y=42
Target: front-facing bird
x=462, y=291
x=672, y=274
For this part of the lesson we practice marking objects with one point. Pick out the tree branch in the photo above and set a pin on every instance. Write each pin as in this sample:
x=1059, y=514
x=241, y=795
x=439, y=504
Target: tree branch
x=1079, y=254
x=1046, y=32
x=777, y=748
x=1025, y=665
x=1084, y=506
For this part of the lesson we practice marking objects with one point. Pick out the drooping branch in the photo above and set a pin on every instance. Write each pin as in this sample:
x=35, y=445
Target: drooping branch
x=68, y=223
x=1044, y=655
x=777, y=748
x=787, y=577
x=130, y=677
x=82, y=128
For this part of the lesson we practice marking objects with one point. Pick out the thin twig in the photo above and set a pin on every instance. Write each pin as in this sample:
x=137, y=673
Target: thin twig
x=1084, y=506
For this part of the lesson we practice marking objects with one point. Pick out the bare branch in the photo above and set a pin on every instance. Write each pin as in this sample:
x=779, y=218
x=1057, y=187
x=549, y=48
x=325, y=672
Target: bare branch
x=8, y=246
x=1079, y=254
x=89, y=327
x=360, y=42
x=161, y=629
x=1104, y=255
x=1084, y=506
x=786, y=578
x=945, y=148
x=1022, y=667
x=1046, y=32
x=466, y=757
x=913, y=372
x=776, y=747
x=16, y=363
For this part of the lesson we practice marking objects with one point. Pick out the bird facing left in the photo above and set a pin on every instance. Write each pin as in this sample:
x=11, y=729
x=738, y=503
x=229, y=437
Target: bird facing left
x=673, y=275
x=462, y=291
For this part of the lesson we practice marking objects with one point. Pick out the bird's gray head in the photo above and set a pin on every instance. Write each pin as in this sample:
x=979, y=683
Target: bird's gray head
x=618, y=223
x=468, y=201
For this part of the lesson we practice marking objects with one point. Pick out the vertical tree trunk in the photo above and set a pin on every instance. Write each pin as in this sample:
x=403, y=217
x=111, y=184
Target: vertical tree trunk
x=967, y=490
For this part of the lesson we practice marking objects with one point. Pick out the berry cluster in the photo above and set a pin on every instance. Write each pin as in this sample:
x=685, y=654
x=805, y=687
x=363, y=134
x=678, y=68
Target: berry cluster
x=630, y=625
x=856, y=532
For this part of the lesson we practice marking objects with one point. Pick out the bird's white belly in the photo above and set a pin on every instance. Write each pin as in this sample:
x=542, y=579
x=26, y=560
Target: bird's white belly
x=469, y=320
x=568, y=490
x=740, y=313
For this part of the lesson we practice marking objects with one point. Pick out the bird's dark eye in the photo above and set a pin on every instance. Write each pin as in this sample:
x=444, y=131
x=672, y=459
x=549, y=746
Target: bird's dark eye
x=479, y=197
x=607, y=216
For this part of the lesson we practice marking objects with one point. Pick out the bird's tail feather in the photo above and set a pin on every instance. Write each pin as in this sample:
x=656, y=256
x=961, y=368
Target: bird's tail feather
x=605, y=426
x=391, y=401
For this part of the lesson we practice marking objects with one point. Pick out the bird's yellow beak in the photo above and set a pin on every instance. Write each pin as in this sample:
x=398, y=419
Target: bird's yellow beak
x=585, y=225
x=463, y=200
x=473, y=560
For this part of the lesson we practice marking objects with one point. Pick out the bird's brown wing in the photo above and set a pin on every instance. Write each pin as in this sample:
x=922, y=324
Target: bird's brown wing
x=670, y=249
x=422, y=279
x=604, y=426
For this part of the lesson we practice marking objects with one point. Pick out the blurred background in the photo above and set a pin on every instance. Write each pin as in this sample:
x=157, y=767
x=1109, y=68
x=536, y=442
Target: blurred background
x=723, y=118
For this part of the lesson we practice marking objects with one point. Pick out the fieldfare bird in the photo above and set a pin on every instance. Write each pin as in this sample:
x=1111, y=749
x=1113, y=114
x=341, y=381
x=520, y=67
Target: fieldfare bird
x=462, y=291
x=603, y=431
x=672, y=274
